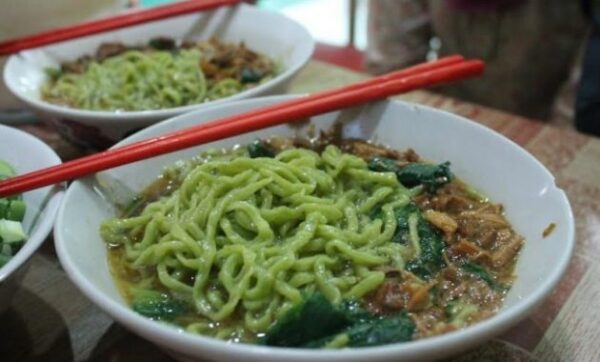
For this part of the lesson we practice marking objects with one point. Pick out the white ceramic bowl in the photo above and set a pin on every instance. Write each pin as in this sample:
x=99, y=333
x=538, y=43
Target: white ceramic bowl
x=480, y=156
x=269, y=33
x=26, y=153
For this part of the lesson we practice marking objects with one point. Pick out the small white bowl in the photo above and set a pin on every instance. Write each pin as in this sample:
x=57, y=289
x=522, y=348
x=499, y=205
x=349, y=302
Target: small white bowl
x=26, y=153
x=483, y=158
x=269, y=33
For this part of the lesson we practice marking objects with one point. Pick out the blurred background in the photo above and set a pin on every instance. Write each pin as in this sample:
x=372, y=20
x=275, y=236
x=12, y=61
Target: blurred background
x=534, y=49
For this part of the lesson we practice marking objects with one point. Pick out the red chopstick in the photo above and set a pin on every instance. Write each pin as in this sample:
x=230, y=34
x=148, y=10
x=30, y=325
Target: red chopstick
x=375, y=89
x=416, y=69
x=453, y=59
x=115, y=22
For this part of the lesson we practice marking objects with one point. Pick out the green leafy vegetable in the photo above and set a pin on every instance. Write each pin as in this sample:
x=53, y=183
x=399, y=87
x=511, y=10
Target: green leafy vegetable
x=382, y=164
x=316, y=323
x=480, y=272
x=402, y=233
x=381, y=330
x=260, y=149
x=12, y=212
x=354, y=311
x=156, y=305
x=162, y=43
x=430, y=258
x=249, y=75
x=430, y=176
x=310, y=320
x=53, y=73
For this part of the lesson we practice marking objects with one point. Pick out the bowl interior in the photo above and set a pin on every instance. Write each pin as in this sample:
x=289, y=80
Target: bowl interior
x=491, y=163
x=26, y=153
x=290, y=45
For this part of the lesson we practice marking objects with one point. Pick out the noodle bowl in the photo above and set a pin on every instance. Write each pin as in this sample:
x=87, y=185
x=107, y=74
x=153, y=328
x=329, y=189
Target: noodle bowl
x=291, y=47
x=244, y=245
x=437, y=136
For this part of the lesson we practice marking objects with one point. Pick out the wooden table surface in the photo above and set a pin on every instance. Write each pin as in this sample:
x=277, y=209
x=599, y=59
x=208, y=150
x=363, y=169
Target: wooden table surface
x=50, y=320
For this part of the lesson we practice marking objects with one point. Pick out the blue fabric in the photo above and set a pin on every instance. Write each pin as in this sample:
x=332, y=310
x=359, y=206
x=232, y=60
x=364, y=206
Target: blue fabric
x=587, y=103
x=149, y=3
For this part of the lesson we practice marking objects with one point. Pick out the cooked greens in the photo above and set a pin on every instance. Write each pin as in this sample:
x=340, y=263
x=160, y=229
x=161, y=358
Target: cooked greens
x=316, y=323
x=430, y=246
x=310, y=320
x=12, y=212
x=156, y=305
x=432, y=177
x=480, y=272
x=260, y=149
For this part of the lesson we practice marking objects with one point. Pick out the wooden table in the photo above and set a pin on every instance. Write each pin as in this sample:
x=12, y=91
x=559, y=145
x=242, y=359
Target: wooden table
x=51, y=320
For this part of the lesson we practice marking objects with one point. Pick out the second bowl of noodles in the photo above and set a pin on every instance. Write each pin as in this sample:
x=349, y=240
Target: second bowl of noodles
x=98, y=89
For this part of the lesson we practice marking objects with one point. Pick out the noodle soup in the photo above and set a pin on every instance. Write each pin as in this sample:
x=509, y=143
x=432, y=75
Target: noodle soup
x=162, y=74
x=338, y=243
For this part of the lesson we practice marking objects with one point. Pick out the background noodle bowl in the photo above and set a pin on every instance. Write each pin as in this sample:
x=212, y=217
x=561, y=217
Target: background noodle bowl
x=290, y=47
x=160, y=74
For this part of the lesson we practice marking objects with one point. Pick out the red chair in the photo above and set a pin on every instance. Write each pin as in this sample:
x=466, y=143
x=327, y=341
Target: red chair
x=345, y=56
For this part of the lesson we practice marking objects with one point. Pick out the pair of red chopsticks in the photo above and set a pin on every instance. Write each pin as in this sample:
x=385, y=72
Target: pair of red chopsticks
x=423, y=75
x=112, y=23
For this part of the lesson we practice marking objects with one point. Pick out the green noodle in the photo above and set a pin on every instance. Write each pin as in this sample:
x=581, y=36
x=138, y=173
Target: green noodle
x=255, y=234
x=137, y=80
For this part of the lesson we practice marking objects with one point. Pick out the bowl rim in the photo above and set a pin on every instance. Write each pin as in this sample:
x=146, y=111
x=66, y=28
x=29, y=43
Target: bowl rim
x=187, y=343
x=308, y=43
x=54, y=198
